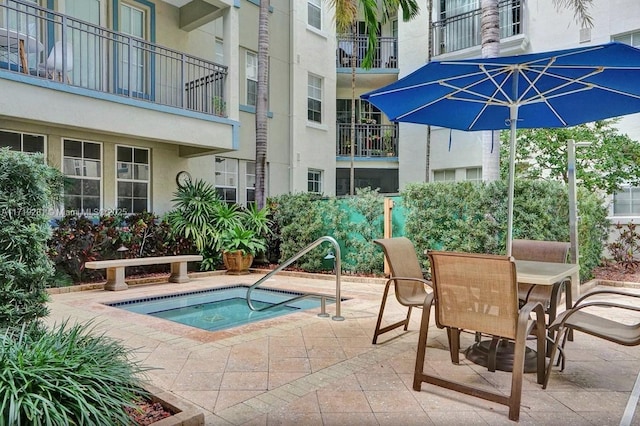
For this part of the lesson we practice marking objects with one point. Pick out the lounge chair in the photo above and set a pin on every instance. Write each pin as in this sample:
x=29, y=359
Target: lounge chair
x=582, y=318
x=407, y=277
x=478, y=292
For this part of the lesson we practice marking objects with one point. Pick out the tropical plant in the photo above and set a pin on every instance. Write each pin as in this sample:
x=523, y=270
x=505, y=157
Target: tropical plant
x=195, y=212
x=244, y=240
x=28, y=188
x=625, y=249
x=73, y=242
x=66, y=376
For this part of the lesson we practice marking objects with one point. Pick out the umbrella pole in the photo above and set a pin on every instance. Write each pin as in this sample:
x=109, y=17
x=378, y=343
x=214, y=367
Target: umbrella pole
x=513, y=120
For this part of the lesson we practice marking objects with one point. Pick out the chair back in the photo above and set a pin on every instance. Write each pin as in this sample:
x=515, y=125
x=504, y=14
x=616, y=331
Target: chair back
x=475, y=292
x=403, y=261
x=54, y=61
x=540, y=251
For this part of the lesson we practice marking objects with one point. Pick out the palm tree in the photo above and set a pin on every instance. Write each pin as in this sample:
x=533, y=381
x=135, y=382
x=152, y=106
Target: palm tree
x=346, y=18
x=490, y=35
x=261, y=102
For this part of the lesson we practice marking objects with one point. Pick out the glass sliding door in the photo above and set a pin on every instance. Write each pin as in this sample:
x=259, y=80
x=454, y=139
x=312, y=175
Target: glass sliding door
x=87, y=48
x=132, y=70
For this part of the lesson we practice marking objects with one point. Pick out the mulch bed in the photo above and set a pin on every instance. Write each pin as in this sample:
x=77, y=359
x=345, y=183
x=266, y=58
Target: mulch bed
x=147, y=412
x=616, y=273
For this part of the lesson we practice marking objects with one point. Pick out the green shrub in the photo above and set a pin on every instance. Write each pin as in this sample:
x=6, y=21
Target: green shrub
x=28, y=187
x=299, y=219
x=65, y=376
x=365, y=225
x=472, y=217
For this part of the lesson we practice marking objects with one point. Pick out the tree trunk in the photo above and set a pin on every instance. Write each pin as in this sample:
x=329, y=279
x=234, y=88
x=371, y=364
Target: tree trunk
x=429, y=56
x=262, y=102
x=354, y=55
x=490, y=33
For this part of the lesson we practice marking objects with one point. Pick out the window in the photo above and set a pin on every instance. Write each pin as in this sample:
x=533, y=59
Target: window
x=21, y=141
x=132, y=176
x=632, y=39
x=83, y=169
x=252, y=78
x=250, y=176
x=219, y=51
x=627, y=202
x=314, y=99
x=447, y=175
x=474, y=174
x=314, y=181
x=314, y=13
x=227, y=179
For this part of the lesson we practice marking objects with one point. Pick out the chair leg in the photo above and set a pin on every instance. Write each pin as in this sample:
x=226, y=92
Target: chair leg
x=516, y=378
x=406, y=326
x=418, y=373
x=453, y=335
x=377, y=332
x=560, y=335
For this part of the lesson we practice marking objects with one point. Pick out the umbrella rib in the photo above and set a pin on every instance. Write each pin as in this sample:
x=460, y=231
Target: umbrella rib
x=482, y=98
x=427, y=83
x=541, y=96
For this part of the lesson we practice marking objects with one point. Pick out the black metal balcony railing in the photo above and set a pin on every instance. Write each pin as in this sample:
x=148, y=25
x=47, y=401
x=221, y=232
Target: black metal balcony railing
x=372, y=140
x=385, y=56
x=45, y=44
x=463, y=30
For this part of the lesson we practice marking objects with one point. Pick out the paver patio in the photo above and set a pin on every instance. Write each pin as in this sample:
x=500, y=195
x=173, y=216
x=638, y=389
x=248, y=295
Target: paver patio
x=304, y=370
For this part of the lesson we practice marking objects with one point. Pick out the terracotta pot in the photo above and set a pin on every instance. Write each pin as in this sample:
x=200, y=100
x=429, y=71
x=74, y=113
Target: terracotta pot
x=237, y=263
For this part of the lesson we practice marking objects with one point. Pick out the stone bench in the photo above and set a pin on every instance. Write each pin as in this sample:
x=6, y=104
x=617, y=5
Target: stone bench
x=115, y=268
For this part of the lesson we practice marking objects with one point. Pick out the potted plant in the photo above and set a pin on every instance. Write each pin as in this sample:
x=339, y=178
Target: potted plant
x=239, y=246
x=387, y=142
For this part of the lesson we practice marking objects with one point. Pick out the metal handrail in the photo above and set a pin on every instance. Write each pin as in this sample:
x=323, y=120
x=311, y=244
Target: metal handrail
x=307, y=249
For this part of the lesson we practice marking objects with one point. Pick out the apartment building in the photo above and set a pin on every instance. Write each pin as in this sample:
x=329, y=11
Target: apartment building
x=526, y=26
x=123, y=95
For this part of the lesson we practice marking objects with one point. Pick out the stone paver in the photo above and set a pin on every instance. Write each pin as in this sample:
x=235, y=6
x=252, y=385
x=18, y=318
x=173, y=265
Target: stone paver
x=304, y=370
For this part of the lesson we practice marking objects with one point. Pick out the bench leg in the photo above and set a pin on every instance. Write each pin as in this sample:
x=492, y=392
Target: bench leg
x=115, y=279
x=179, y=273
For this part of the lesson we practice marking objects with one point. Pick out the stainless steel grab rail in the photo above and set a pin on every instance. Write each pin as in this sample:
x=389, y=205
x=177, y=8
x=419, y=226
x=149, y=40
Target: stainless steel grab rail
x=307, y=249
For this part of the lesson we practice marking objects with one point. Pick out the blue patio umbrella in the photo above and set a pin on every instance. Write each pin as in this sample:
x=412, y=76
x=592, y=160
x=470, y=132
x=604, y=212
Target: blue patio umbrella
x=551, y=89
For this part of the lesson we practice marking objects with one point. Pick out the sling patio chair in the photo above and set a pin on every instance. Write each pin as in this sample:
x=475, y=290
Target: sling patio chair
x=479, y=292
x=407, y=277
x=584, y=317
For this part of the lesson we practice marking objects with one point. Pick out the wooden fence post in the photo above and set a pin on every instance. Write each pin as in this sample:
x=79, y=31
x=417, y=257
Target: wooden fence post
x=388, y=225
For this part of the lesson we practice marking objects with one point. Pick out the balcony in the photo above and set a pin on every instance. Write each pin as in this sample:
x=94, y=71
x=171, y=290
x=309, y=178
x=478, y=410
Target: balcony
x=350, y=48
x=463, y=30
x=46, y=45
x=372, y=140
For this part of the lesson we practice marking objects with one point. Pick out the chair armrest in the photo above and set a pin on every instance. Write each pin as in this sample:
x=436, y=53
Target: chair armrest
x=528, y=308
x=421, y=280
x=564, y=316
x=606, y=291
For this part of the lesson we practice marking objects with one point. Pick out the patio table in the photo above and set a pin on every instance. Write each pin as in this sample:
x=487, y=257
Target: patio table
x=536, y=273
